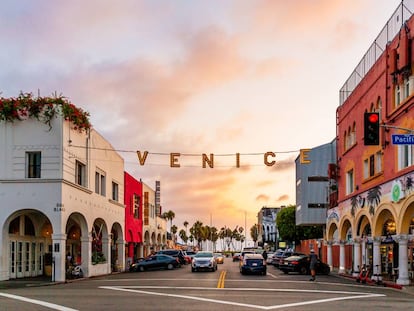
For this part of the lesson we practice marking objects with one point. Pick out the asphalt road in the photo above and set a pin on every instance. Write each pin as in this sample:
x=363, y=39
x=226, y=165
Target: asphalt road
x=225, y=289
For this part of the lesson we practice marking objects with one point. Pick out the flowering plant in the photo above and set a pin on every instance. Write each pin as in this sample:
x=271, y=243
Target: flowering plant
x=43, y=109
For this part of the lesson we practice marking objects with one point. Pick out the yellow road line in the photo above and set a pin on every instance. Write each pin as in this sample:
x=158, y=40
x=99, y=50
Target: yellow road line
x=220, y=283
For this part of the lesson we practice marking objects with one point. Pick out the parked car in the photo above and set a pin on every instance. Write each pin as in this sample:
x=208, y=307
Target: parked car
x=176, y=253
x=155, y=262
x=190, y=254
x=253, y=263
x=204, y=260
x=286, y=254
x=269, y=258
x=236, y=257
x=276, y=257
x=300, y=264
x=219, y=258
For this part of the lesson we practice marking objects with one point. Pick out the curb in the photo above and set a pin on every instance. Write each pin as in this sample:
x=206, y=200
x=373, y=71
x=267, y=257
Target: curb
x=372, y=283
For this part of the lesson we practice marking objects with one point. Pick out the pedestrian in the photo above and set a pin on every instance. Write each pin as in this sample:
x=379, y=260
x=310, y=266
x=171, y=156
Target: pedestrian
x=264, y=255
x=313, y=258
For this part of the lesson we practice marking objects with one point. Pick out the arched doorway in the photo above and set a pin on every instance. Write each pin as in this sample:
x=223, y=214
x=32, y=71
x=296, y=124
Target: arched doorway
x=30, y=244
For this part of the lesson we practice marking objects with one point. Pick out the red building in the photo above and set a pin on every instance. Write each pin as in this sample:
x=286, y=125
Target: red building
x=373, y=221
x=133, y=217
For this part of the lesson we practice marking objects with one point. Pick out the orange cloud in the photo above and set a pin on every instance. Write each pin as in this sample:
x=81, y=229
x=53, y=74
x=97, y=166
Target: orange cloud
x=262, y=197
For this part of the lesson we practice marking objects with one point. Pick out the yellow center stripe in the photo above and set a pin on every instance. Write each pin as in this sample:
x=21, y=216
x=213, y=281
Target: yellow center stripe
x=220, y=283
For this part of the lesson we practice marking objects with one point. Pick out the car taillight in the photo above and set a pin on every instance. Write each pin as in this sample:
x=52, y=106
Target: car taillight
x=295, y=262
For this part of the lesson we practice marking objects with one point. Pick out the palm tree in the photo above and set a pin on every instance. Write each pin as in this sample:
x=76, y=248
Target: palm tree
x=170, y=215
x=185, y=225
x=183, y=235
x=195, y=230
x=173, y=232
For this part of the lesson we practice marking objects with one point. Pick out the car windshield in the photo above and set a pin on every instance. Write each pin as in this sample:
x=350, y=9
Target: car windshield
x=204, y=254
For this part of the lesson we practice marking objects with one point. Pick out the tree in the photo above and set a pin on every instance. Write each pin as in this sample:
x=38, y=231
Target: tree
x=286, y=223
x=170, y=215
x=186, y=232
x=174, y=231
x=288, y=231
x=183, y=235
x=254, y=233
x=195, y=231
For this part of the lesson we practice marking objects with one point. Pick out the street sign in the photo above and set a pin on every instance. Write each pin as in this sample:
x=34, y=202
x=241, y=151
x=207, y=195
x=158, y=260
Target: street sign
x=403, y=139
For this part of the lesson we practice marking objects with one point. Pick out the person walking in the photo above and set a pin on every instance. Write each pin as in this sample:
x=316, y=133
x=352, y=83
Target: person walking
x=313, y=258
x=264, y=255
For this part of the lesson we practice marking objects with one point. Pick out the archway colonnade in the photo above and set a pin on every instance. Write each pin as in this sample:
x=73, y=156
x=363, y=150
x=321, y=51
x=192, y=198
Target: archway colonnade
x=381, y=237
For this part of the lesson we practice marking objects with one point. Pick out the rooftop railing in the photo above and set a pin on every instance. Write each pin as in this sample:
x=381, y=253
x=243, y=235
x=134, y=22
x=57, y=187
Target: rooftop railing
x=390, y=30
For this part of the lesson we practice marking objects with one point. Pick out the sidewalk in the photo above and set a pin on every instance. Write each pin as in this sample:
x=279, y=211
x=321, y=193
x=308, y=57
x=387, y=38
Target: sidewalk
x=27, y=282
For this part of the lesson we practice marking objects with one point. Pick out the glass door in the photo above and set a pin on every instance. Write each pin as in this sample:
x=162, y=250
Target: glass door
x=19, y=260
x=12, y=260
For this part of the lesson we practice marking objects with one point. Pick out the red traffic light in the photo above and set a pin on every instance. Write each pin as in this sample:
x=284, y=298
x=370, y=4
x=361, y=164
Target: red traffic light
x=373, y=117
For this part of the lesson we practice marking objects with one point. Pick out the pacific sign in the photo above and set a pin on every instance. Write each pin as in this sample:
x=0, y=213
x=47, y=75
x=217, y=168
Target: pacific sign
x=208, y=160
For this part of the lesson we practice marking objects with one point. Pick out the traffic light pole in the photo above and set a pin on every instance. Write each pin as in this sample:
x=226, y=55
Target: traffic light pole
x=397, y=128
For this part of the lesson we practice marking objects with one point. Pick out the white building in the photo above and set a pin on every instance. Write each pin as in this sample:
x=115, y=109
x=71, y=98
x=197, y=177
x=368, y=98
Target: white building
x=61, y=192
x=268, y=235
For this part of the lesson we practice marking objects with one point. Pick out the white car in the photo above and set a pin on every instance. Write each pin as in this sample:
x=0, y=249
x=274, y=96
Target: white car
x=203, y=261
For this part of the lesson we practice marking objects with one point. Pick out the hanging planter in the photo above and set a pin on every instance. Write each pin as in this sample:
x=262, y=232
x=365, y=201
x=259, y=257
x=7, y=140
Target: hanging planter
x=44, y=109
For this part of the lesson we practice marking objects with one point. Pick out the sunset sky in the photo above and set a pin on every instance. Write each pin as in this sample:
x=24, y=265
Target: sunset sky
x=194, y=77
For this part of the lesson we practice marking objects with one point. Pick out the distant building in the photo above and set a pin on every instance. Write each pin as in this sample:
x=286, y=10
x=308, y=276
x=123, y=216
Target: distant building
x=154, y=226
x=268, y=234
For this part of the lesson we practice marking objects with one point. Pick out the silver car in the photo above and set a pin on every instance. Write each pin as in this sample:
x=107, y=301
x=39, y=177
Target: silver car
x=203, y=261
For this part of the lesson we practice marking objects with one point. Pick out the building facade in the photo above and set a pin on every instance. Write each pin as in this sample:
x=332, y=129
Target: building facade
x=314, y=184
x=133, y=218
x=373, y=221
x=61, y=196
x=154, y=226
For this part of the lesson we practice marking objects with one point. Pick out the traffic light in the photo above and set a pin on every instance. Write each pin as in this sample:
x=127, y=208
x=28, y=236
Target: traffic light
x=371, y=128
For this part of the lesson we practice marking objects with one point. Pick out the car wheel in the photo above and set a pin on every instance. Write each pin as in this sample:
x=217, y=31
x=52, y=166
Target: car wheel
x=285, y=271
x=170, y=266
x=141, y=268
x=303, y=270
x=193, y=270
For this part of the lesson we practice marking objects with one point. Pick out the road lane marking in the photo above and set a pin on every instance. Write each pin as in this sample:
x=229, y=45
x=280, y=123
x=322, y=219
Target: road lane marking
x=220, y=283
x=38, y=302
x=137, y=289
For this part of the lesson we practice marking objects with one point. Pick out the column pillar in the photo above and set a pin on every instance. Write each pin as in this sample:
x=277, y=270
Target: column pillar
x=376, y=269
x=329, y=254
x=403, y=260
x=341, y=257
x=59, y=257
x=357, y=257
x=364, y=260
x=86, y=247
x=106, y=250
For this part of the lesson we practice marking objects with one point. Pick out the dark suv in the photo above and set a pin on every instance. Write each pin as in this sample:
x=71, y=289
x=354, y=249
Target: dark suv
x=176, y=253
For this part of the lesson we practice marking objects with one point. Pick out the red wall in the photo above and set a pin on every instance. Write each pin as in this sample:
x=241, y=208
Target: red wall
x=133, y=226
